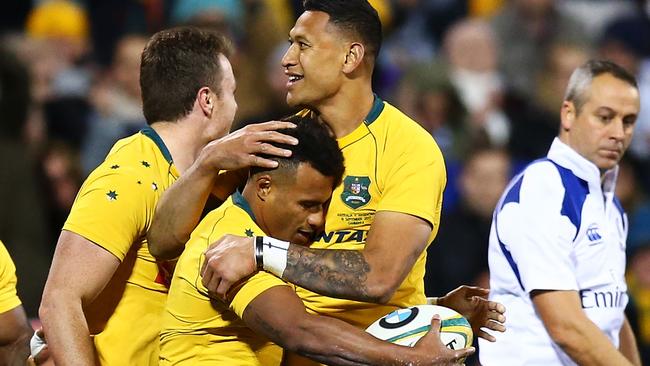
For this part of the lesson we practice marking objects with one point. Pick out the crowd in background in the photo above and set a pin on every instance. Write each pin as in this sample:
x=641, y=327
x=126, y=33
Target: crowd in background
x=485, y=77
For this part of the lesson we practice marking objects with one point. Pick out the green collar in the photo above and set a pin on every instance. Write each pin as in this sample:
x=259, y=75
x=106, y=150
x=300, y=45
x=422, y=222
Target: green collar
x=375, y=111
x=240, y=201
x=153, y=135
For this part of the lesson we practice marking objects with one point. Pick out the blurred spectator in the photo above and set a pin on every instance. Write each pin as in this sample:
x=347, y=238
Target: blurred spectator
x=595, y=14
x=628, y=189
x=638, y=279
x=626, y=42
x=416, y=34
x=534, y=120
x=426, y=95
x=63, y=26
x=458, y=254
x=22, y=221
x=116, y=103
x=259, y=34
x=484, y=8
x=471, y=52
x=110, y=20
x=276, y=81
x=227, y=15
x=524, y=29
x=61, y=179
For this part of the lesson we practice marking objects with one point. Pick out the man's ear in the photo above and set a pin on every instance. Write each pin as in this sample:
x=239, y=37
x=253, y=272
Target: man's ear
x=353, y=57
x=567, y=115
x=263, y=184
x=205, y=100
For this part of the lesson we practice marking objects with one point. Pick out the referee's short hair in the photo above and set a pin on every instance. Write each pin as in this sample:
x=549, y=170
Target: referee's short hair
x=577, y=91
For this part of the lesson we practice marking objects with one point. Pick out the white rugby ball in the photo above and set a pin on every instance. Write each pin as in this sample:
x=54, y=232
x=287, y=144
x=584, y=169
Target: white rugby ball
x=406, y=326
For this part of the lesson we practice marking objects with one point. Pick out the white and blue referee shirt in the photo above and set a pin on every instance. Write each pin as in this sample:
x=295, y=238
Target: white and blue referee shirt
x=556, y=227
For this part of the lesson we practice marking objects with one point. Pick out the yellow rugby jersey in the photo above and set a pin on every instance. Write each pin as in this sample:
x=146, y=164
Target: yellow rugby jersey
x=114, y=209
x=8, y=297
x=391, y=164
x=199, y=330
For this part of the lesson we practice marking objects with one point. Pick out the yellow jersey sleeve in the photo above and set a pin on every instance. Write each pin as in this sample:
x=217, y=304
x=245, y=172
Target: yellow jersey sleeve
x=113, y=208
x=252, y=288
x=415, y=180
x=230, y=219
x=8, y=297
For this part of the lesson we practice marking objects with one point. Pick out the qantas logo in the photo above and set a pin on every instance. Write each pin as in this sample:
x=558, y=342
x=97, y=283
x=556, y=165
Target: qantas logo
x=343, y=236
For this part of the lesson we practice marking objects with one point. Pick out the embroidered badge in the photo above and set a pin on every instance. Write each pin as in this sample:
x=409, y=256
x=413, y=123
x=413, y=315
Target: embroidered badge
x=355, y=191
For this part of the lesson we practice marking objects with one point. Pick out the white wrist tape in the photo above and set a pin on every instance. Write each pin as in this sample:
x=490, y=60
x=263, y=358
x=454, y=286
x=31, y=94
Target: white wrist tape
x=433, y=300
x=275, y=255
x=36, y=345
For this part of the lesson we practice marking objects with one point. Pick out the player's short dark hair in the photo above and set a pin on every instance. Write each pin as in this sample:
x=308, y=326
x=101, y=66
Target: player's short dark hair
x=578, y=89
x=176, y=63
x=316, y=146
x=357, y=17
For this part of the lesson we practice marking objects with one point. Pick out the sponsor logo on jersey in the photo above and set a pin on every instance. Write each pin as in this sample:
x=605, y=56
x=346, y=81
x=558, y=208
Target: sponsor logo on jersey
x=343, y=236
x=605, y=298
x=593, y=234
x=355, y=191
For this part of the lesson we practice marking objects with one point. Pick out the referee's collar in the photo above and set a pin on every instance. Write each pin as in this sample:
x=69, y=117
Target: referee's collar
x=565, y=156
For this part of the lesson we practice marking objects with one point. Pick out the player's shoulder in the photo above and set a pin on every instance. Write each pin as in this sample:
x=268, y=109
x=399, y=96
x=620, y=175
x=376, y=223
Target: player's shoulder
x=5, y=260
x=229, y=218
x=133, y=156
x=401, y=130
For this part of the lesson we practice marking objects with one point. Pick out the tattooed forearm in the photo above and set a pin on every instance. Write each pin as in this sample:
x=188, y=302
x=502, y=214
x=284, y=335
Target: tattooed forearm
x=266, y=328
x=336, y=273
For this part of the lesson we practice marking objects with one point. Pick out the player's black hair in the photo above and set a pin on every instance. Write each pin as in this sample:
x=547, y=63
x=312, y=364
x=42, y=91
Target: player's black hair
x=316, y=146
x=357, y=17
x=176, y=63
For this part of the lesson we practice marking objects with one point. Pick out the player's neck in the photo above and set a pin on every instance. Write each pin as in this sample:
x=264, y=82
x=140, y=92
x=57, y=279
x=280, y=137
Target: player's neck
x=345, y=111
x=250, y=195
x=181, y=141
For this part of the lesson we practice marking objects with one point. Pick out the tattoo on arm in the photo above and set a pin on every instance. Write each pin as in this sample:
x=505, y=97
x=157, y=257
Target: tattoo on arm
x=336, y=273
x=268, y=329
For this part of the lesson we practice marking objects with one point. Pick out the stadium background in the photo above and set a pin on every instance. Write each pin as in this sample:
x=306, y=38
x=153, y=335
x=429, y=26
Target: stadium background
x=485, y=77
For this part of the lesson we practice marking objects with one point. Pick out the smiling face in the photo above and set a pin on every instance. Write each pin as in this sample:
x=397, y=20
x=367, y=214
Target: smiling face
x=314, y=60
x=293, y=203
x=602, y=129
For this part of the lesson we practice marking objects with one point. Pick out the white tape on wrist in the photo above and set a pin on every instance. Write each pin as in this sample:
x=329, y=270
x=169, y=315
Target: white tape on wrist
x=433, y=300
x=275, y=255
x=36, y=345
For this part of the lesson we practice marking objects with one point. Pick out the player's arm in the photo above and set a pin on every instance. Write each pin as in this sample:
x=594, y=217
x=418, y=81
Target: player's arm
x=573, y=331
x=180, y=207
x=395, y=242
x=372, y=274
x=628, y=346
x=80, y=270
x=14, y=337
x=279, y=314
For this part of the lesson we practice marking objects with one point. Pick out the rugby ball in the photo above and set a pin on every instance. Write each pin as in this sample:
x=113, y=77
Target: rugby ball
x=406, y=326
